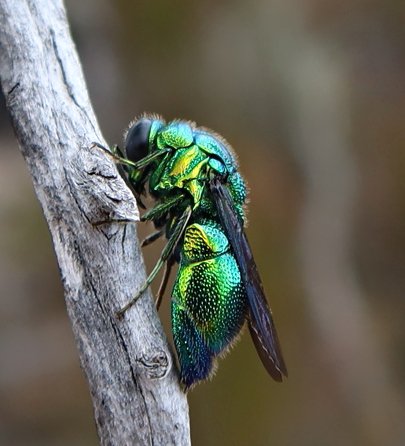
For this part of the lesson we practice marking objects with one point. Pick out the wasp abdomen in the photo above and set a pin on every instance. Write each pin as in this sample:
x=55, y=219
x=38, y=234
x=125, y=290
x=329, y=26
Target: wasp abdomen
x=209, y=301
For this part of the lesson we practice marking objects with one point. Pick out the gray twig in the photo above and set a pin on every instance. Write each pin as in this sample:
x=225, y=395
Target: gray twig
x=129, y=367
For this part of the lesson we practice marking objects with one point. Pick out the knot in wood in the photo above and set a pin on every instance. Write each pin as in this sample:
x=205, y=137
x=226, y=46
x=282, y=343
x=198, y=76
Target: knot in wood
x=156, y=365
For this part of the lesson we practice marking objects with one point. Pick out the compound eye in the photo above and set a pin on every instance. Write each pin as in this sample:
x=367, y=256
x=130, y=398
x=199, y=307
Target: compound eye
x=137, y=140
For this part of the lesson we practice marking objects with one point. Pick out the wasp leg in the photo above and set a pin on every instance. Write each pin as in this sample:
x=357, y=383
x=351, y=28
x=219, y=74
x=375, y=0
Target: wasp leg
x=151, y=238
x=163, y=284
x=115, y=154
x=162, y=208
x=178, y=231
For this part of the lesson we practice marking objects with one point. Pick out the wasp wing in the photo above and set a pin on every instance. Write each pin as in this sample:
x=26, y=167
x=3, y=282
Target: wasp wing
x=260, y=320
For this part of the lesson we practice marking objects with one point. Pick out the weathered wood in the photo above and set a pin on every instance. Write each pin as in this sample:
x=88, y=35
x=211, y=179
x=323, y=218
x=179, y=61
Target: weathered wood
x=130, y=370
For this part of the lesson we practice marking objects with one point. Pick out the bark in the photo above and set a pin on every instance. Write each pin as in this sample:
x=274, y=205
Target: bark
x=130, y=370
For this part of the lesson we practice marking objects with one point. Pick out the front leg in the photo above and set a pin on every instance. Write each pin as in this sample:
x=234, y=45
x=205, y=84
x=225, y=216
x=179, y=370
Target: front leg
x=162, y=208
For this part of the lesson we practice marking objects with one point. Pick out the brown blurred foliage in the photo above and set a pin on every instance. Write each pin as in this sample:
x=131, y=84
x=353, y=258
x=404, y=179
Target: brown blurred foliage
x=311, y=96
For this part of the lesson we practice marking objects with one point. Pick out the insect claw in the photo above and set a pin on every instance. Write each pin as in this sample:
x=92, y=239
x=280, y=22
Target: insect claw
x=119, y=315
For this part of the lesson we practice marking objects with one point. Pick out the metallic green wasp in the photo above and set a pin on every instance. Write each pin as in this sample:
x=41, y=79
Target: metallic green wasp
x=199, y=195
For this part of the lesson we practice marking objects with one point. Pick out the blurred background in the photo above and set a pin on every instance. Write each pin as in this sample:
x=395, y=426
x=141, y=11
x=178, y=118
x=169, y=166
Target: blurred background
x=311, y=95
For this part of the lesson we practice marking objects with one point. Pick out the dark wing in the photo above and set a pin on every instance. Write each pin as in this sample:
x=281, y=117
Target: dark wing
x=261, y=323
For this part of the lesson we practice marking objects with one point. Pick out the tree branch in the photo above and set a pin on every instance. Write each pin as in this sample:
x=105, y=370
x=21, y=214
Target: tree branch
x=129, y=367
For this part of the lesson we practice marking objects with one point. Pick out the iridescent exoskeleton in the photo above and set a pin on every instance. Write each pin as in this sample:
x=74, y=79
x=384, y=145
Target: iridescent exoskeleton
x=192, y=174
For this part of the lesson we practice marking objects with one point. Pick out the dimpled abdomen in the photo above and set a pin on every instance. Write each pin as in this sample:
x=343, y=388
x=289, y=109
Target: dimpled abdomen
x=208, y=302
